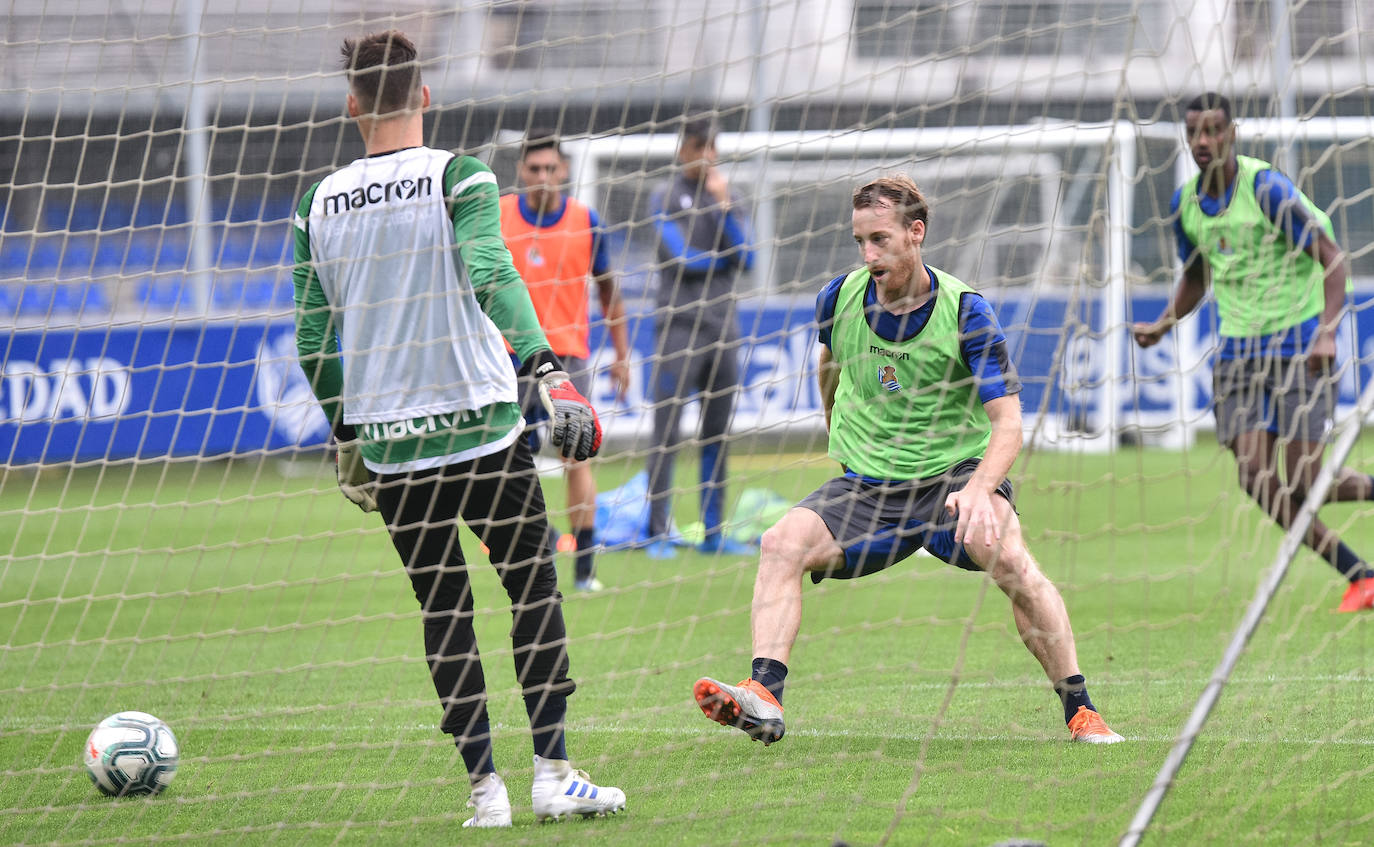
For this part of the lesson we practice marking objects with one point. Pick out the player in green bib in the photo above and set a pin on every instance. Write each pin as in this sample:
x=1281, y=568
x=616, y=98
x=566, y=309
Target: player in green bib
x=921, y=405
x=1280, y=283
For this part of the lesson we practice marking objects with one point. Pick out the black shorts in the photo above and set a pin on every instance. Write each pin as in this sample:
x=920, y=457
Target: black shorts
x=879, y=525
x=1272, y=394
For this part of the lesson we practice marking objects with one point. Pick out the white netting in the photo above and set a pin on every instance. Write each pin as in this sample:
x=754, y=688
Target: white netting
x=172, y=541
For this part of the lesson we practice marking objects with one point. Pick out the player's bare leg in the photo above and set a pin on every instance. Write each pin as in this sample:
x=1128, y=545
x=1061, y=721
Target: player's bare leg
x=798, y=543
x=1037, y=606
x=1041, y=620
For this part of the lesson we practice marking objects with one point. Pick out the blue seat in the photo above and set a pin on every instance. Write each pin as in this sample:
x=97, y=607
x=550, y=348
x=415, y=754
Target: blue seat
x=14, y=255
x=274, y=247
x=249, y=291
x=111, y=251
x=47, y=298
x=142, y=250
x=9, y=300
x=80, y=297
x=173, y=252
x=284, y=292
x=164, y=293
x=90, y=211
x=248, y=205
x=45, y=254
x=60, y=216
x=169, y=212
x=259, y=291
x=116, y=214
x=77, y=257
x=237, y=248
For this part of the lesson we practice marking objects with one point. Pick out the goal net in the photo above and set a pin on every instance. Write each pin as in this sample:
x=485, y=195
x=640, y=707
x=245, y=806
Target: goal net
x=173, y=541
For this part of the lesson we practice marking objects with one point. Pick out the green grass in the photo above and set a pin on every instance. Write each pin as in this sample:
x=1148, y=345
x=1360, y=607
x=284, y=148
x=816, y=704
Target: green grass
x=270, y=624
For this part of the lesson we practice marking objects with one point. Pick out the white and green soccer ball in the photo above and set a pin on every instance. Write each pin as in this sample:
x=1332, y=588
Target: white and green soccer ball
x=131, y=753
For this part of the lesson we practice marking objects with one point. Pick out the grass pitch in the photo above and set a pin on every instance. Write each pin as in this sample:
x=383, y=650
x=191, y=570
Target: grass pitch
x=270, y=624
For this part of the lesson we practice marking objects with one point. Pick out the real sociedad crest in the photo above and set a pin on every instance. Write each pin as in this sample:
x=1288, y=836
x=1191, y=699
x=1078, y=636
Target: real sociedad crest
x=887, y=375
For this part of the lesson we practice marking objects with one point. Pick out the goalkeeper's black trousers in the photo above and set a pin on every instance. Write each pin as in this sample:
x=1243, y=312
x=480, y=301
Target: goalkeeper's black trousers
x=499, y=498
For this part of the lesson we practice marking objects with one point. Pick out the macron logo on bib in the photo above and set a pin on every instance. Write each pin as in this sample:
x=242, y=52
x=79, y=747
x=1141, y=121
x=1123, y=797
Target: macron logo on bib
x=378, y=192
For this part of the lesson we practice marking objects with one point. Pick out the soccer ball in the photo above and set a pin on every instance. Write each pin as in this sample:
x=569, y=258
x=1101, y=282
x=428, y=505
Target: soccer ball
x=131, y=753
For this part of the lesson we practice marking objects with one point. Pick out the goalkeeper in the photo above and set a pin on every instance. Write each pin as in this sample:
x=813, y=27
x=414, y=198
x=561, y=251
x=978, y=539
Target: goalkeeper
x=404, y=289
x=1280, y=282
x=920, y=402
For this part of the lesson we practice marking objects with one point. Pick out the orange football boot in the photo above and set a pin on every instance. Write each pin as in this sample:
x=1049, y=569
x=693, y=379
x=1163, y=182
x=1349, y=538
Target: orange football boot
x=748, y=706
x=1088, y=727
x=1360, y=595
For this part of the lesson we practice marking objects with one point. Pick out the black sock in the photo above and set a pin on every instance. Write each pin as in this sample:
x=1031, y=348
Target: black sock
x=770, y=673
x=475, y=748
x=1350, y=565
x=1073, y=691
x=585, y=564
x=547, y=712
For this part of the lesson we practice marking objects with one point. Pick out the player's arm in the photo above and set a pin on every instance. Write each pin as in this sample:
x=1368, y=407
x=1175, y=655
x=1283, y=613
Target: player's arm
x=1191, y=288
x=317, y=344
x=475, y=212
x=983, y=351
x=1335, y=276
x=972, y=505
x=1283, y=204
x=612, y=310
x=1004, y=443
x=739, y=240
x=673, y=246
x=828, y=371
x=828, y=375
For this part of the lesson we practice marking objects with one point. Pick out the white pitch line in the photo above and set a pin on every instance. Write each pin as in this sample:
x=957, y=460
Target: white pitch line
x=706, y=733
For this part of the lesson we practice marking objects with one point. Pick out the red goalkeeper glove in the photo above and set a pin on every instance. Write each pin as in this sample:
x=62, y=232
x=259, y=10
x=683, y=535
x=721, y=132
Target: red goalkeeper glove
x=575, y=428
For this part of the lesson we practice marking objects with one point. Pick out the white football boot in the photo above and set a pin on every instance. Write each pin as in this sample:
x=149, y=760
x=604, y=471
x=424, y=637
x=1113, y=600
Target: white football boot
x=559, y=792
x=491, y=801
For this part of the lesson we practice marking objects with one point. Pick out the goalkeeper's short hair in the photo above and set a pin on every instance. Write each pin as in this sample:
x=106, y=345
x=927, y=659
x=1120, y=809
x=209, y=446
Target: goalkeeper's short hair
x=383, y=72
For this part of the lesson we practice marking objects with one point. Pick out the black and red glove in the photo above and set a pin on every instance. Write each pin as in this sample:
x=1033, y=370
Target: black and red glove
x=575, y=428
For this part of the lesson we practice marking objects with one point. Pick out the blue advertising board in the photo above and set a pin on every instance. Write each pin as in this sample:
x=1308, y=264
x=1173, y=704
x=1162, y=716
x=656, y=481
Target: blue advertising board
x=231, y=388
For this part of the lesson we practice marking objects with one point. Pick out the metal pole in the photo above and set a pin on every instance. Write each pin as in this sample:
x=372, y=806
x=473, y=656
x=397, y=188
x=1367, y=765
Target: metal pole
x=1287, y=550
x=196, y=161
x=761, y=121
x=1187, y=348
x=1281, y=67
x=1120, y=197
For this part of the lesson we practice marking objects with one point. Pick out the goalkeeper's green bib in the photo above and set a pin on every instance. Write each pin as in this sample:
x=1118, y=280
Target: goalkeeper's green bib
x=1262, y=284
x=903, y=409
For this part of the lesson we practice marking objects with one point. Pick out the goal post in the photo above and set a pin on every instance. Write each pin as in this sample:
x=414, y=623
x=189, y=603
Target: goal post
x=1050, y=255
